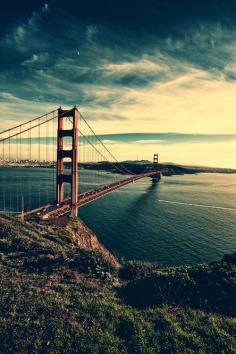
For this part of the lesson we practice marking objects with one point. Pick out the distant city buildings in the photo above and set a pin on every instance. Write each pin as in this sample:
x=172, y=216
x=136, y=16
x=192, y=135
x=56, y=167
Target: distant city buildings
x=27, y=163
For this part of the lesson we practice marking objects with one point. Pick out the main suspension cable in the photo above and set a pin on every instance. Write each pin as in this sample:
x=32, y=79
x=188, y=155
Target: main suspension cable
x=99, y=139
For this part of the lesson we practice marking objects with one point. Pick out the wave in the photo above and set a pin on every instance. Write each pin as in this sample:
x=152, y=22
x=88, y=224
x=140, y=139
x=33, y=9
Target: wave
x=197, y=205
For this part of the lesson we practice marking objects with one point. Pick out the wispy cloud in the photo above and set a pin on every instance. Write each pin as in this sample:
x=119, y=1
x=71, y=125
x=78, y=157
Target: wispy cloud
x=143, y=73
x=168, y=138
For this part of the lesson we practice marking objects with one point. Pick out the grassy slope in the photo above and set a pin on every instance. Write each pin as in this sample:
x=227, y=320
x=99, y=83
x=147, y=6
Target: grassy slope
x=57, y=298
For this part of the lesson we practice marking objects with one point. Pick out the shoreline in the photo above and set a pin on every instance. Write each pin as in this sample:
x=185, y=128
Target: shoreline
x=166, y=170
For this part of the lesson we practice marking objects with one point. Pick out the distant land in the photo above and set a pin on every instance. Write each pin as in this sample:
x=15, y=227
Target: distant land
x=167, y=169
x=170, y=168
x=135, y=166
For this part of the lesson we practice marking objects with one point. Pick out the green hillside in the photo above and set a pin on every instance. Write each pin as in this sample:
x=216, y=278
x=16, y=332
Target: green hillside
x=59, y=298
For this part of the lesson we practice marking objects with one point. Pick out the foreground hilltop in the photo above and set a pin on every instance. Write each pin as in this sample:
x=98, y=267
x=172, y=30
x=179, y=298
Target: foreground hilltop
x=63, y=292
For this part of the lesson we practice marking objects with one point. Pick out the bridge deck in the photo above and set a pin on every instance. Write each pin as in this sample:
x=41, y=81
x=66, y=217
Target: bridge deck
x=52, y=211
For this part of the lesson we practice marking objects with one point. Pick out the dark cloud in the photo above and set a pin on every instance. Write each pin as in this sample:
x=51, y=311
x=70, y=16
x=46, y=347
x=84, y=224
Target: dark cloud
x=152, y=138
x=61, y=51
x=168, y=138
x=159, y=16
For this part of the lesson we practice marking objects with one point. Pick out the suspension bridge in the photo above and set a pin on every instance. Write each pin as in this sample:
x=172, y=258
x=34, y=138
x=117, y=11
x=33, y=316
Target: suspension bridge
x=53, y=164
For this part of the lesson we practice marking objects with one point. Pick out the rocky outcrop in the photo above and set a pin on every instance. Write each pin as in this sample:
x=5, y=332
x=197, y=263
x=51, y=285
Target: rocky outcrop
x=73, y=231
x=84, y=237
x=88, y=240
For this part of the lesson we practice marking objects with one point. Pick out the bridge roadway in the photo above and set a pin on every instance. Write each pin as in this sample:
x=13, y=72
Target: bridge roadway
x=54, y=211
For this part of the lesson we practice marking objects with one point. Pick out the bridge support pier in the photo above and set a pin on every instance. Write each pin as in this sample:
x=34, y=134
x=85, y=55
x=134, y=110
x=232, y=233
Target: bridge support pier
x=72, y=154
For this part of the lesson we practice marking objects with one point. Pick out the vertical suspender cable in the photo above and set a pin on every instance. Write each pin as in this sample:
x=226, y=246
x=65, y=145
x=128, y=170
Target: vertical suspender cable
x=31, y=169
x=47, y=170
x=4, y=187
x=9, y=181
x=39, y=159
x=22, y=176
x=53, y=156
x=17, y=176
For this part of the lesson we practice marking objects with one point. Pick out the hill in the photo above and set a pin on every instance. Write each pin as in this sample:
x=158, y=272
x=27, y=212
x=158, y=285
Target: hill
x=62, y=292
x=167, y=169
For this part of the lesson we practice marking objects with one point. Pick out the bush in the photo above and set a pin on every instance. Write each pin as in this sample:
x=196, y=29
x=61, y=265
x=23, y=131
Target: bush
x=136, y=269
x=230, y=258
x=208, y=287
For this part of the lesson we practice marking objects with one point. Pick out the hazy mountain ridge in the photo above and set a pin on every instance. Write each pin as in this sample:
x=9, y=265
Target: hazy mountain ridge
x=167, y=169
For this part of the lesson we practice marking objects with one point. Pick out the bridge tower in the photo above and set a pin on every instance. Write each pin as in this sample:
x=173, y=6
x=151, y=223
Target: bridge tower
x=72, y=154
x=155, y=161
x=156, y=178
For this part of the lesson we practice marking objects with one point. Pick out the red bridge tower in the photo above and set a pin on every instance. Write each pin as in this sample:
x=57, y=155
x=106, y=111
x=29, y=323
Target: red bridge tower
x=72, y=154
x=155, y=161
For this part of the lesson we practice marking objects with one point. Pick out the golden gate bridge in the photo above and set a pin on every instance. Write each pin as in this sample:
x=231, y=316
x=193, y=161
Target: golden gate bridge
x=66, y=147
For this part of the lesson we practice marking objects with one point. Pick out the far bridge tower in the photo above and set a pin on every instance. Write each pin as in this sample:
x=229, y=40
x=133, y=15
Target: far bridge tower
x=157, y=176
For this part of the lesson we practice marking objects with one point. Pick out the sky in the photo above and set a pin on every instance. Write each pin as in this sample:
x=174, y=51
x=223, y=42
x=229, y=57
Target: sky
x=154, y=76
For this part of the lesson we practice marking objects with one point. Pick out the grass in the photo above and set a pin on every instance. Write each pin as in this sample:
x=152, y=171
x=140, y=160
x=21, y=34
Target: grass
x=210, y=287
x=58, y=298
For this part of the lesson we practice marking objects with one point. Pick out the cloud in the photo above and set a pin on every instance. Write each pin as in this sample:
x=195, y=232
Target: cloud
x=19, y=110
x=104, y=116
x=23, y=35
x=45, y=8
x=36, y=60
x=149, y=142
x=91, y=31
x=143, y=65
x=110, y=142
x=140, y=69
x=168, y=138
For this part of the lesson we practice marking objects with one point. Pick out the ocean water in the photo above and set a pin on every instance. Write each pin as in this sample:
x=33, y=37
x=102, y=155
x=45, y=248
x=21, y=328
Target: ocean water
x=141, y=222
x=181, y=220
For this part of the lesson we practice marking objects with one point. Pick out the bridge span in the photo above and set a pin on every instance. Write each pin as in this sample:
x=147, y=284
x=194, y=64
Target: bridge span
x=59, y=142
x=54, y=211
